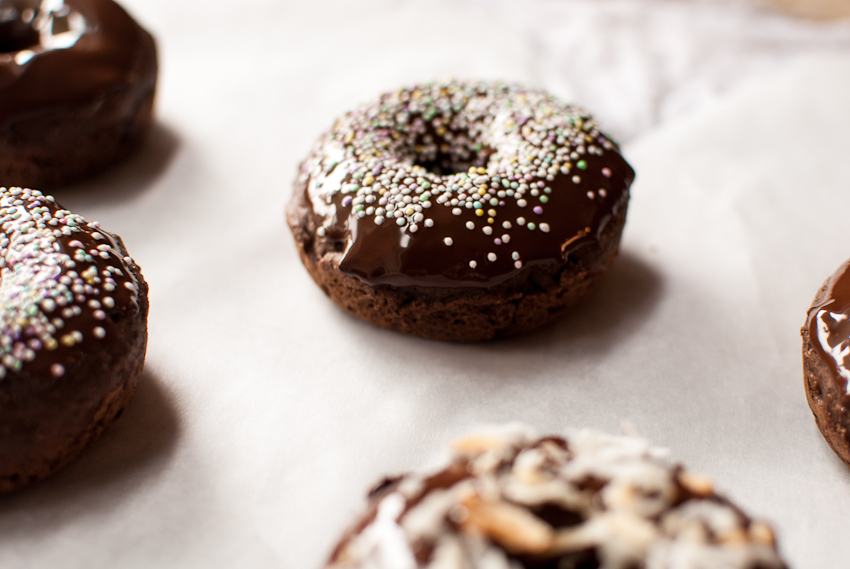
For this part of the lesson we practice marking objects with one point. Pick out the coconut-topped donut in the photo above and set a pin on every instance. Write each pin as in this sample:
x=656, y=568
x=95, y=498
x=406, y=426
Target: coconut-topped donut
x=511, y=499
x=72, y=333
x=77, y=82
x=481, y=193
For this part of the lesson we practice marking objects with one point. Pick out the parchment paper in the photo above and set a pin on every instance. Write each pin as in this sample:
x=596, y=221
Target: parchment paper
x=265, y=413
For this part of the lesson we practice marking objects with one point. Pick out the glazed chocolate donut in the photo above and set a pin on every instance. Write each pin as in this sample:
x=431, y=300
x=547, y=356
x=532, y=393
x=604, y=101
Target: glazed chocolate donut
x=511, y=499
x=826, y=360
x=72, y=336
x=460, y=211
x=77, y=82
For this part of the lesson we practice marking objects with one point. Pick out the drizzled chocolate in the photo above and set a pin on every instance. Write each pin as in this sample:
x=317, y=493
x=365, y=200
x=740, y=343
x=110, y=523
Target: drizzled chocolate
x=828, y=326
x=57, y=54
x=511, y=499
x=461, y=185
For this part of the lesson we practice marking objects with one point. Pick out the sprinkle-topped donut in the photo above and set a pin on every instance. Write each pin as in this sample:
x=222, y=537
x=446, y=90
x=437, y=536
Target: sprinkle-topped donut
x=77, y=82
x=458, y=185
x=72, y=333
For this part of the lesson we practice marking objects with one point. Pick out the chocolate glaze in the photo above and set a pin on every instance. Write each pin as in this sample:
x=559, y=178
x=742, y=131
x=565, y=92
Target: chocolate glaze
x=575, y=211
x=828, y=327
x=110, y=56
x=375, y=253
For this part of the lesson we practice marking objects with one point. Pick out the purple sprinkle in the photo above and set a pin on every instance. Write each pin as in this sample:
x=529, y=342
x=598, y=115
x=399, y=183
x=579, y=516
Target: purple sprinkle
x=501, y=202
x=346, y=201
x=528, y=177
x=497, y=241
x=538, y=210
x=540, y=184
x=606, y=172
x=377, y=170
x=382, y=201
x=414, y=186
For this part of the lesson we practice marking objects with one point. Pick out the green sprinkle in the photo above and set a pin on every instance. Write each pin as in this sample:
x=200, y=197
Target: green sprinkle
x=543, y=199
x=582, y=165
x=531, y=225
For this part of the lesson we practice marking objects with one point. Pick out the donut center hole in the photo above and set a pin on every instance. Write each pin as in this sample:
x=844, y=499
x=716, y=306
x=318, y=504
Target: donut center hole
x=24, y=24
x=17, y=26
x=443, y=152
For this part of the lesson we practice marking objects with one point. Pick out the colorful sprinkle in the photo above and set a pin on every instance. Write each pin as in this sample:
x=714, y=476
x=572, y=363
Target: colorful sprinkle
x=424, y=147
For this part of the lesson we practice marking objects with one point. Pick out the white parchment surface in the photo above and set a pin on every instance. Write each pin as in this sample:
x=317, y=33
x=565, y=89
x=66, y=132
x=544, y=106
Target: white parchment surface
x=265, y=413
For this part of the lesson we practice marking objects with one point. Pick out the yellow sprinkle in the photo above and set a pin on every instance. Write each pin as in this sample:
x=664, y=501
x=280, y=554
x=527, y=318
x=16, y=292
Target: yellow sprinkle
x=349, y=136
x=490, y=219
x=482, y=190
x=491, y=213
x=441, y=130
x=51, y=344
x=416, y=94
x=481, y=170
x=67, y=340
x=479, y=212
x=368, y=181
x=409, y=211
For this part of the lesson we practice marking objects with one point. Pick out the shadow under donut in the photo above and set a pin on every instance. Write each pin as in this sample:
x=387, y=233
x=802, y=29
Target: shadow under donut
x=619, y=307
x=133, y=175
x=130, y=450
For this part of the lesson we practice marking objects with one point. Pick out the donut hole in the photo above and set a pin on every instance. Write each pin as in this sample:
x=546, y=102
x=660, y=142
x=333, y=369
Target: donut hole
x=26, y=24
x=444, y=159
x=16, y=29
x=444, y=144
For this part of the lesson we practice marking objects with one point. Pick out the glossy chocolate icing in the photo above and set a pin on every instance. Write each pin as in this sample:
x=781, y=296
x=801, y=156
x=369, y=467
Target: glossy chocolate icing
x=80, y=281
x=86, y=52
x=828, y=327
x=463, y=246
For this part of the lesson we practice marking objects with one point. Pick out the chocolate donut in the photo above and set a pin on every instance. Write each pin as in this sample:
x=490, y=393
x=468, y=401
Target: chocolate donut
x=72, y=336
x=826, y=360
x=512, y=499
x=460, y=211
x=77, y=82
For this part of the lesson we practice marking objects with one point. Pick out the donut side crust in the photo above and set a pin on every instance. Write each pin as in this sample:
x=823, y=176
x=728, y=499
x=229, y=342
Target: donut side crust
x=62, y=145
x=90, y=397
x=53, y=164
x=824, y=397
x=535, y=297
